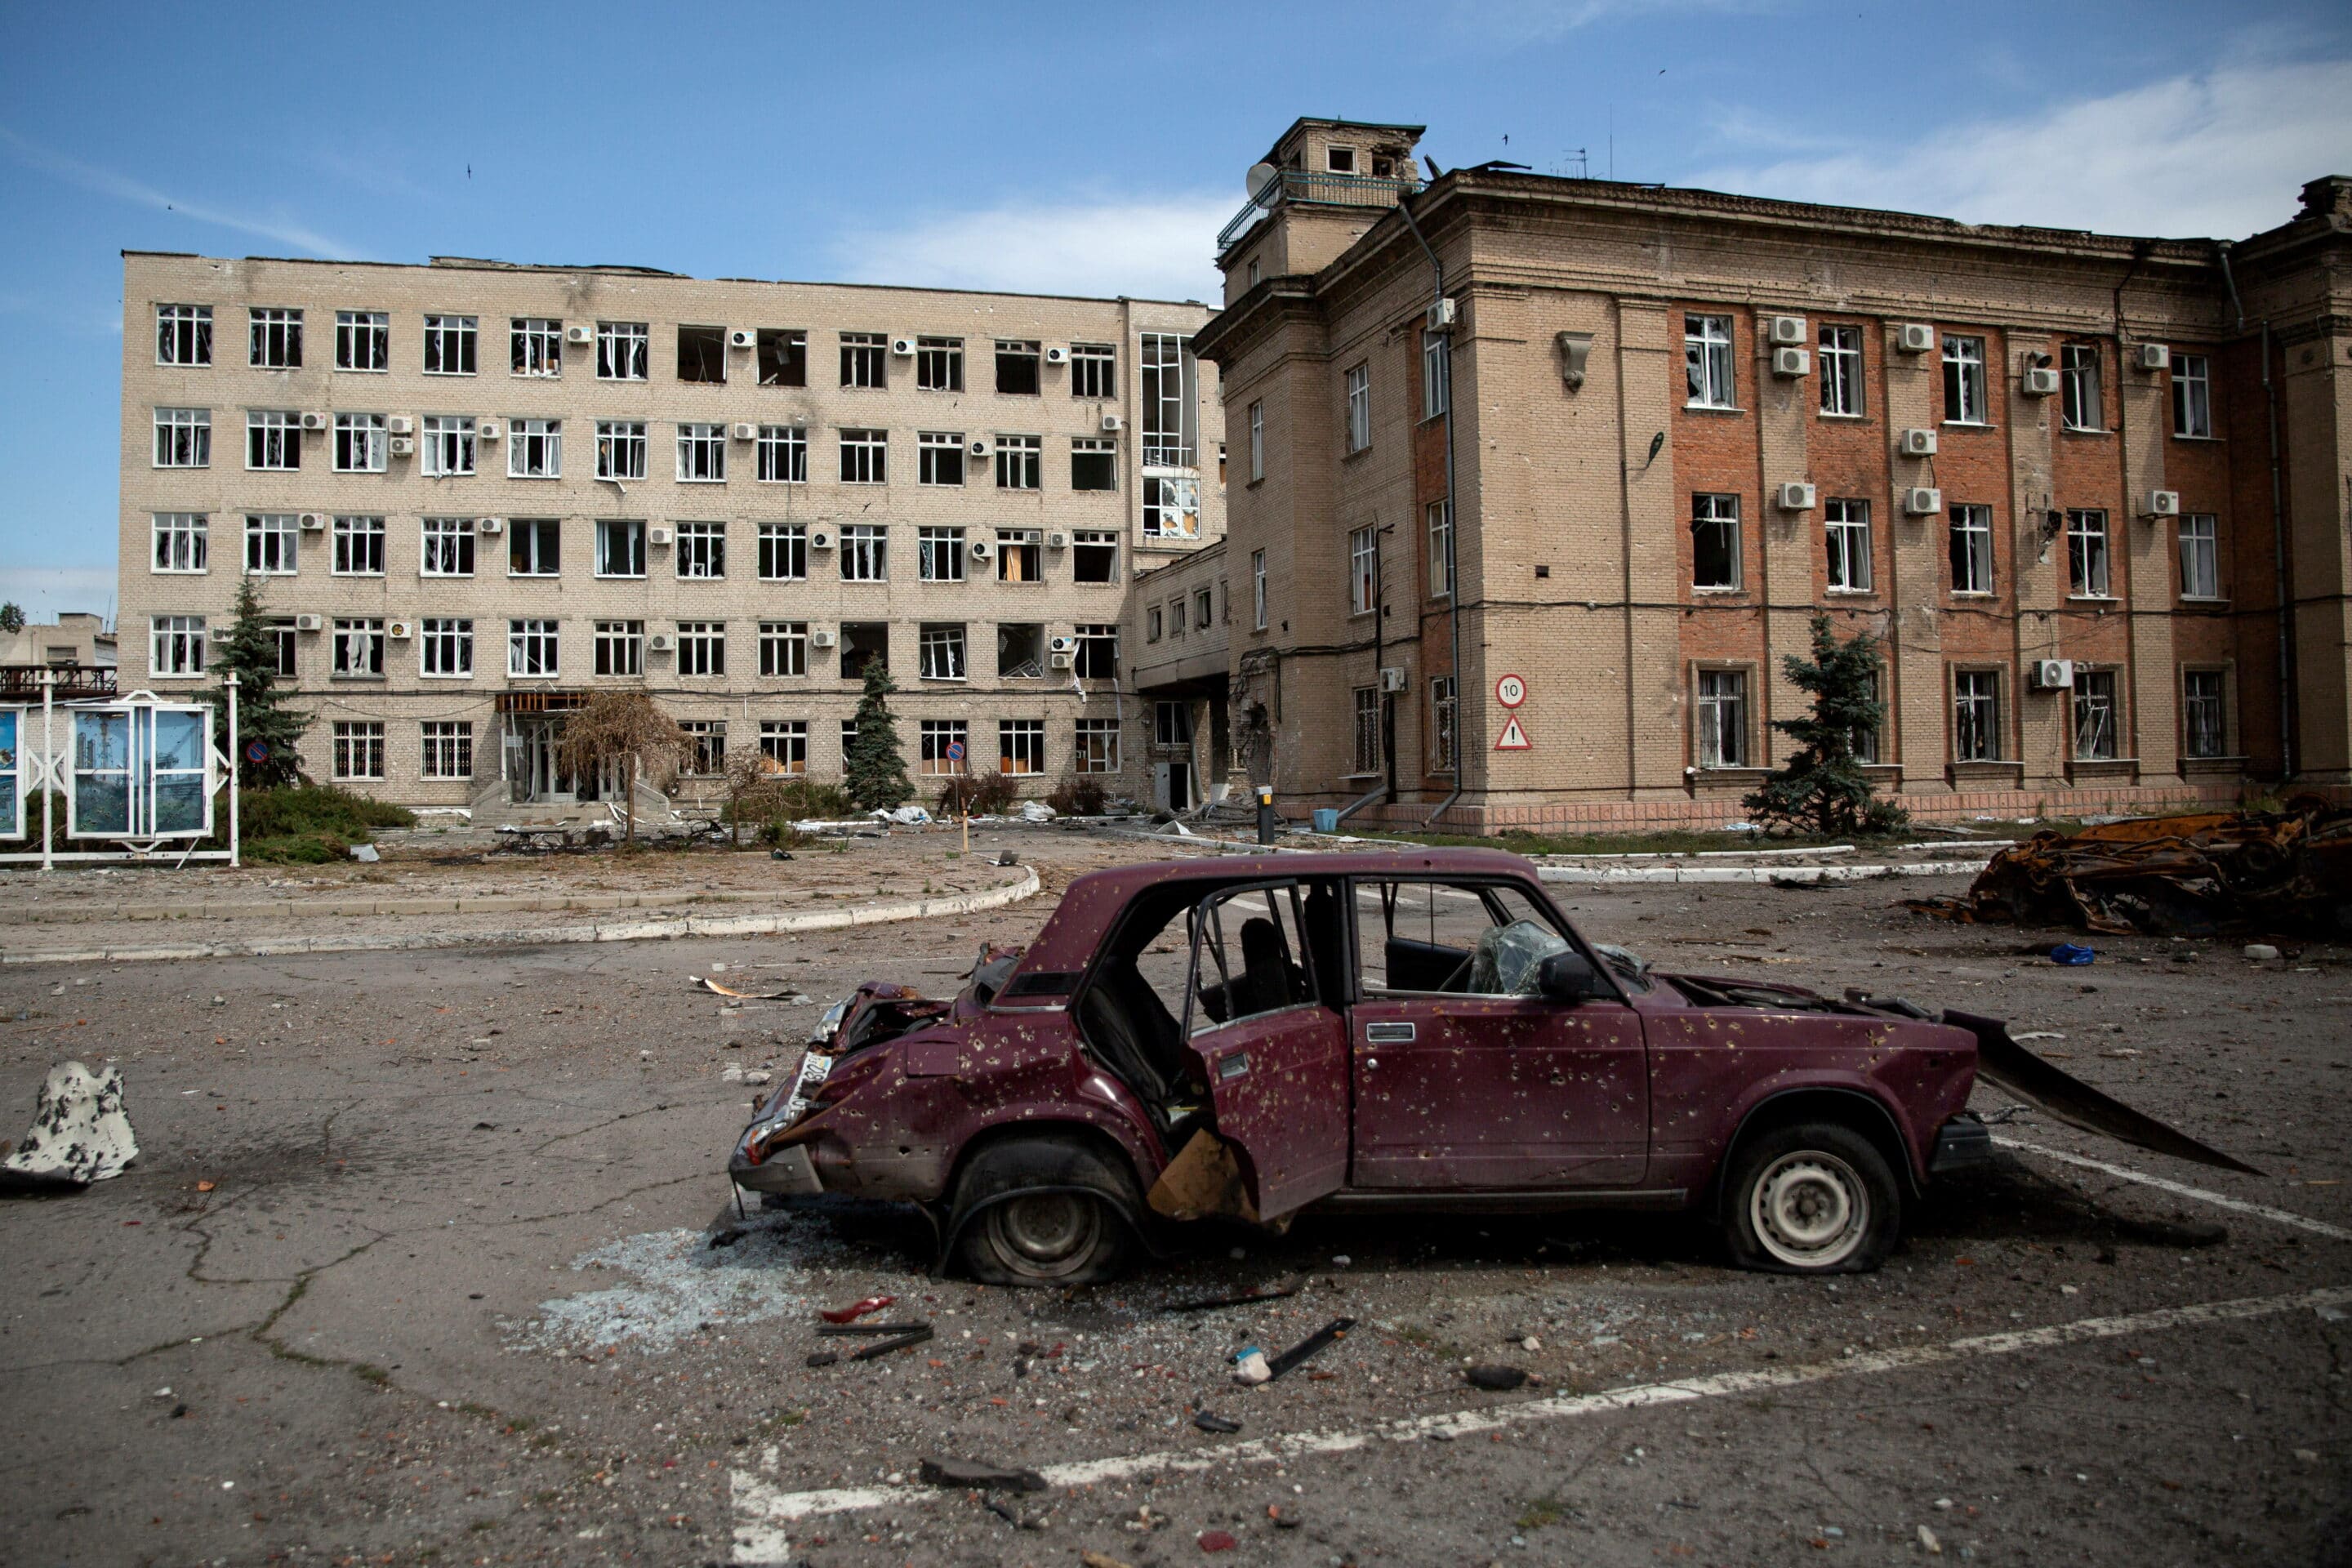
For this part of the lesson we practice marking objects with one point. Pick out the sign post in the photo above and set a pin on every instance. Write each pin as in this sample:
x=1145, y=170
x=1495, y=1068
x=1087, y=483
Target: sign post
x=1510, y=690
x=956, y=755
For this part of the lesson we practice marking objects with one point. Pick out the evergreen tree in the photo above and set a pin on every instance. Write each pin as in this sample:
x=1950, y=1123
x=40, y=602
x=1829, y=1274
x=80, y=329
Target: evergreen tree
x=12, y=616
x=1823, y=788
x=874, y=773
x=249, y=651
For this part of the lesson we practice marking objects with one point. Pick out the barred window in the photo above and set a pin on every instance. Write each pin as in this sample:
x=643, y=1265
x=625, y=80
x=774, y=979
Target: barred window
x=1445, y=716
x=445, y=747
x=358, y=751
x=2203, y=730
x=1365, y=754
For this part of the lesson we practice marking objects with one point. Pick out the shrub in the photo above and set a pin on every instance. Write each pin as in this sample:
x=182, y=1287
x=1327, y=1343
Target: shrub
x=1078, y=797
x=308, y=824
x=982, y=795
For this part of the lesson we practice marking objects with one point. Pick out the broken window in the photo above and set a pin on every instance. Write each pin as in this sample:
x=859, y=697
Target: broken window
x=1020, y=555
x=2086, y=554
x=272, y=544
x=1094, y=557
x=2080, y=405
x=1094, y=369
x=358, y=751
x=1153, y=621
x=864, y=360
x=534, y=449
x=943, y=750
x=175, y=645
x=1841, y=370
x=273, y=439
x=784, y=742
x=865, y=456
x=939, y=457
x=938, y=364
x=447, y=445
x=445, y=648
x=533, y=648
x=1722, y=716
x=534, y=546
x=702, y=353
x=449, y=345
x=184, y=334
x=702, y=454
x=358, y=646
x=1847, y=523
x=783, y=552
x=706, y=747
x=1020, y=746
x=783, y=648
x=865, y=553
x=183, y=437
x=2094, y=715
x=1098, y=657
x=939, y=554
x=1094, y=463
x=361, y=444
x=362, y=340
x=783, y=455
x=180, y=540
x=1171, y=508
x=1707, y=361
x=2202, y=731
x=445, y=749
x=447, y=547
x=1971, y=549
x=535, y=345
x=1169, y=373
x=702, y=647
x=1714, y=541
x=359, y=547
x=1460, y=939
x=620, y=448
x=940, y=651
x=701, y=551
x=1020, y=651
x=282, y=631
x=784, y=357
x=1363, y=572
x=621, y=351
x=275, y=339
x=1020, y=461
x=1963, y=381
x=620, y=647
x=1095, y=745
x=863, y=643
x=1976, y=715
x=1339, y=159
x=1016, y=367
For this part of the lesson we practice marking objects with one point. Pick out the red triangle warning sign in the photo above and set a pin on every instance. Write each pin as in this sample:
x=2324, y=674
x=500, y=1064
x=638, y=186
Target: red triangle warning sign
x=1513, y=738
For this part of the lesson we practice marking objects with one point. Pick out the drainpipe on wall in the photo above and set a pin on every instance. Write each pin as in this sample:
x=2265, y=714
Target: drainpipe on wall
x=1452, y=525
x=2278, y=530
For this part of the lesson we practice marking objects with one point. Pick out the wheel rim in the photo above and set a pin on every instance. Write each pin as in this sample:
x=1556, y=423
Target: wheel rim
x=1045, y=1235
x=1810, y=1209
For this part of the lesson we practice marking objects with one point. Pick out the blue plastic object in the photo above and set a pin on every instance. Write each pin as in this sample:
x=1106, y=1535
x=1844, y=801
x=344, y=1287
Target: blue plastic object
x=1327, y=819
x=2068, y=952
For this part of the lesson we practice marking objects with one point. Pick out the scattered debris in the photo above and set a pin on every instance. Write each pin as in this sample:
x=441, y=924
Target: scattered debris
x=1216, y=1541
x=1208, y=1421
x=790, y=994
x=79, y=1133
x=1097, y=1560
x=859, y=1309
x=1928, y=1543
x=2010, y=1066
x=1250, y=1367
x=365, y=852
x=1308, y=1348
x=972, y=1474
x=1498, y=1379
x=2069, y=952
x=893, y=1337
x=1246, y=1299
x=2261, y=952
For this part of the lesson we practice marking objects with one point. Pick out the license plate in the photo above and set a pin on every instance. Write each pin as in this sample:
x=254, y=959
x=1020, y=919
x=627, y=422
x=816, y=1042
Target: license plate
x=814, y=1069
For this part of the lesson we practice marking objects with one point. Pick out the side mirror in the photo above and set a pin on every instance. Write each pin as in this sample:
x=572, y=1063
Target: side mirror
x=1570, y=977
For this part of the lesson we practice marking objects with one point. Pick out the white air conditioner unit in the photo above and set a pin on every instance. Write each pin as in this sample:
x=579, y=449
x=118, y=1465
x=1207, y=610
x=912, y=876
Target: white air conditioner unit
x=1792, y=362
x=903, y=347
x=486, y=430
x=1062, y=660
x=2039, y=381
x=491, y=525
x=1057, y=355
x=309, y=623
x=1923, y=500
x=316, y=421
x=980, y=550
x=1794, y=495
x=821, y=637
x=820, y=539
x=401, y=425
x=979, y=448
x=1065, y=645
x=402, y=446
x=1783, y=329
x=747, y=432
x=578, y=335
x=658, y=536
x=1919, y=443
x=660, y=642
x=2051, y=675
x=399, y=631
x=739, y=339
x=1443, y=314
x=2161, y=503
x=1057, y=540
x=313, y=521
x=2154, y=356
x=1393, y=678
x=1915, y=337
x=1113, y=423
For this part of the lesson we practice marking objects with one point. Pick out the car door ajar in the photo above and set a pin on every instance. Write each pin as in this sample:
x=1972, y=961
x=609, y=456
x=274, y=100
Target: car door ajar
x=1273, y=1052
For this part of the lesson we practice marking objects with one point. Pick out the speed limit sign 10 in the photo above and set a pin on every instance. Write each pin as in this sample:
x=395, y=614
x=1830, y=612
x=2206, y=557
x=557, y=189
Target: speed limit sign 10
x=1510, y=691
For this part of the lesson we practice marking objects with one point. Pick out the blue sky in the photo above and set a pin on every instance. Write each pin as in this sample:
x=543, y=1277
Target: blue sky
x=1085, y=148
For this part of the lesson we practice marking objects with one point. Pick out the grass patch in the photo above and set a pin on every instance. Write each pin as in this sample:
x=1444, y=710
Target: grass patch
x=368, y=1372
x=1539, y=1512
x=310, y=825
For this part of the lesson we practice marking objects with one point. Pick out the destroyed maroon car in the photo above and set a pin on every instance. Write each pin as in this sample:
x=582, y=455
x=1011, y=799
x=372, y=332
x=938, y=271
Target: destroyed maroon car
x=1254, y=1037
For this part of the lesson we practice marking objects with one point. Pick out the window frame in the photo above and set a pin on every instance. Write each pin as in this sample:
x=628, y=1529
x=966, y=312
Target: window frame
x=2192, y=702
x=939, y=553
x=358, y=646
x=444, y=749
x=176, y=646
x=1706, y=509
x=1095, y=745
x=1363, y=570
x=871, y=462
x=1020, y=741
x=865, y=361
x=869, y=543
x=2081, y=390
x=448, y=447
x=539, y=530
x=531, y=639
x=446, y=539
x=1094, y=371
x=269, y=430
x=356, y=750
x=1964, y=532
x=938, y=458
x=449, y=335
x=2191, y=397
x=781, y=455
x=1018, y=361
x=629, y=533
x=1257, y=589
x=273, y=337
x=2090, y=554
x=1436, y=374
x=356, y=545
x=535, y=347
x=700, y=545
x=933, y=737
x=1445, y=724
x=529, y=436
x=1094, y=549
x=2202, y=530
x=1718, y=690
x=1089, y=661
x=784, y=742
x=701, y=452
x=941, y=652
x=1965, y=397
x=623, y=351
x=1020, y=462
x=784, y=649
x=1839, y=348
x=363, y=334
x=183, y=327
x=183, y=437
x=783, y=543
x=1099, y=454
x=452, y=638
x=179, y=543
x=1710, y=373
x=2096, y=688
x=938, y=364
x=616, y=649
x=1358, y=422
x=367, y=436
x=1850, y=567
x=1977, y=710
x=701, y=650
x=273, y=543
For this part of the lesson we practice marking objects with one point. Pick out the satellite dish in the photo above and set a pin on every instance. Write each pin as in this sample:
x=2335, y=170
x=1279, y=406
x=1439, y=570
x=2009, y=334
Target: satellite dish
x=1264, y=182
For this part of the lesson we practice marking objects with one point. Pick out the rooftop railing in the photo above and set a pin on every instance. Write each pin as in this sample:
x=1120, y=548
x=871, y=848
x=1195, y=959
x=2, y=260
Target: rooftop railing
x=1302, y=185
x=73, y=681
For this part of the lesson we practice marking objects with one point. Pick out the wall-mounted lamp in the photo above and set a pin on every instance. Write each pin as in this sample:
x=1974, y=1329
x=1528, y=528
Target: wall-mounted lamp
x=1574, y=347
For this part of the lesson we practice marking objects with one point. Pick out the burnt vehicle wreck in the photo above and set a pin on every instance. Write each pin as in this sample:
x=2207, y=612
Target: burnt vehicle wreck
x=1258, y=1038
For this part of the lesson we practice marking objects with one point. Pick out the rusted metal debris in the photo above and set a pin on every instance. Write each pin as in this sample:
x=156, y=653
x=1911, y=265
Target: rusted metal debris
x=2190, y=876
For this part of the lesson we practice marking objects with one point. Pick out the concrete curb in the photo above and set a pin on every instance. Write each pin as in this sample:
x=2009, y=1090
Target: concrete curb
x=1613, y=874
x=297, y=908
x=627, y=930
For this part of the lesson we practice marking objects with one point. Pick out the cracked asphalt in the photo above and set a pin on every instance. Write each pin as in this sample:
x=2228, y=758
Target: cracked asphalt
x=418, y=1265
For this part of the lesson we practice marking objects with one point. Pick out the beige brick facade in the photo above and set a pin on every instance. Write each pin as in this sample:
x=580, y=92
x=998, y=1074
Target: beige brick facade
x=658, y=555
x=1590, y=476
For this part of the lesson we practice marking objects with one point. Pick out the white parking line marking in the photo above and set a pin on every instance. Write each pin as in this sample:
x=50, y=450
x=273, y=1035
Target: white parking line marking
x=764, y=1511
x=2181, y=1189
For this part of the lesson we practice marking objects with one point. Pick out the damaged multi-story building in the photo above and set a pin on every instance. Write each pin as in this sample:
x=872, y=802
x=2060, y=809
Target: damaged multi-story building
x=1538, y=480
x=472, y=494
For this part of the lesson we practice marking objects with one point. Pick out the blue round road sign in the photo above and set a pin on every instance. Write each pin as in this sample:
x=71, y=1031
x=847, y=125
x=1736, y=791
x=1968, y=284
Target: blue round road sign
x=955, y=751
x=257, y=750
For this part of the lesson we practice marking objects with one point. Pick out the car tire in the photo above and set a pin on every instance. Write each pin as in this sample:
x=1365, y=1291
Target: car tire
x=1044, y=1211
x=1812, y=1197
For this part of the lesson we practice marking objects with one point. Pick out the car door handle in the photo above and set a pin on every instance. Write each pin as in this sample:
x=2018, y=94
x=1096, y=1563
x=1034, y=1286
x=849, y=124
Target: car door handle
x=1388, y=1034
x=1232, y=1066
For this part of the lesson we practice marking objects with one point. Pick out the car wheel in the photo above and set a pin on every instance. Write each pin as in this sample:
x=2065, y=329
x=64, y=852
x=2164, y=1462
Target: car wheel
x=1045, y=1238
x=1812, y=1198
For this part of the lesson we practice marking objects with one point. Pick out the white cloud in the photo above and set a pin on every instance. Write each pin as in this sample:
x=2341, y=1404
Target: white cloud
x=2224, y=154
x=1527, y=21
x=1160, y=249
x=43, y=591
x=121, y=187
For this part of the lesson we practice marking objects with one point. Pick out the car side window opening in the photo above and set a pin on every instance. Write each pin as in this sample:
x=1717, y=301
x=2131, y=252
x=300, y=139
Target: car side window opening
x=1249, y=957
x=1465, y=938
